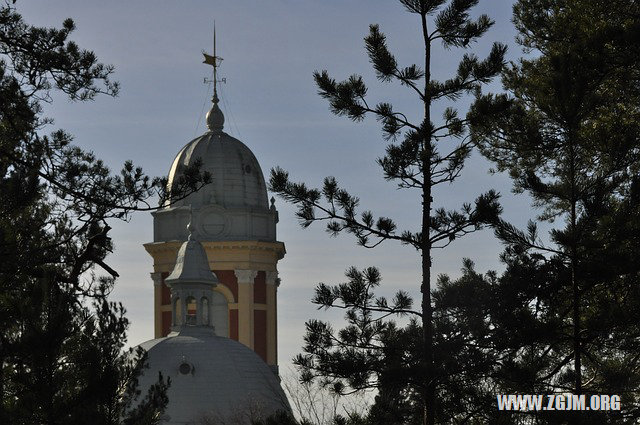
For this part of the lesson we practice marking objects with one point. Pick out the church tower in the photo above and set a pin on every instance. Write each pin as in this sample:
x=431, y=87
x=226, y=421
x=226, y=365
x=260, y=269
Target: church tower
x=235, y=223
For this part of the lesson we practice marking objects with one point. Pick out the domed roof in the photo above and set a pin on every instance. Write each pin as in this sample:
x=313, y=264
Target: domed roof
x=237, y=179
x=234, y=206
x=212, y=377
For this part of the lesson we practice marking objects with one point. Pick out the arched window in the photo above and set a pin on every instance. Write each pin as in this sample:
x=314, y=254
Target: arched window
x=192, y=310
x=205, y=310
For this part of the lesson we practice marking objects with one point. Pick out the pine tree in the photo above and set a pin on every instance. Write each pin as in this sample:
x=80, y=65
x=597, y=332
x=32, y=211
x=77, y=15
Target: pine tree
x=567, y=133
x=511, y=332
x=61, y=340
x=420, y=156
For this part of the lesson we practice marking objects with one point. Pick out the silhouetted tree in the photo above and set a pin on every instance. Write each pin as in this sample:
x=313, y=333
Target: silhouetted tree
x=567, y=133
x=61, y=340
x=421, y=155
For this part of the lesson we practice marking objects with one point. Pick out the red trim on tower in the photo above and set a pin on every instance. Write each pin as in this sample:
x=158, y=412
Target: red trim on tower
x=233, y=324
x=260, y=333
x=166, y=323
x=228, y=278
x=260, y=288
x=165, y=292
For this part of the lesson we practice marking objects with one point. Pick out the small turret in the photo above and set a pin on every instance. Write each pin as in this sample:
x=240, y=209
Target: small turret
x=191, y=283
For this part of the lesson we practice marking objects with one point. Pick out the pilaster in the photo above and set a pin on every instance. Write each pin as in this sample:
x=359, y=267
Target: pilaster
x=272, y=317
x=157, y=303
x=245, y=305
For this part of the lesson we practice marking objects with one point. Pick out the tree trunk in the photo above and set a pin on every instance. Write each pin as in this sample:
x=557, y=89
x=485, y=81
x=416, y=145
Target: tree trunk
x=429, y=397
x=574, y=282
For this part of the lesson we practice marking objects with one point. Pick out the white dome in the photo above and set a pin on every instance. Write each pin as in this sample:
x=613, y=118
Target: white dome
x=212, y=377
x=237, y=180
x=233, y=206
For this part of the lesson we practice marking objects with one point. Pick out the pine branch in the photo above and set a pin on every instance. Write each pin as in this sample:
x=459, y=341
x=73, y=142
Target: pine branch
x=308, y=200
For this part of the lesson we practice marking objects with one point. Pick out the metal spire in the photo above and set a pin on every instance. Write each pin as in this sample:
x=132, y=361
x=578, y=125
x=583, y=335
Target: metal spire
x=215, y=67
x=214, y=61
x=215, y=118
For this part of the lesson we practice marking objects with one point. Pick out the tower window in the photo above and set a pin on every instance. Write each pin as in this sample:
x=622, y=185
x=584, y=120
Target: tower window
x=192, y=309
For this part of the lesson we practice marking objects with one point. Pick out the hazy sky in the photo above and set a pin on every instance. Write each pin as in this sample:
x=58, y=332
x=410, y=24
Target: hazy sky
x=270, y=50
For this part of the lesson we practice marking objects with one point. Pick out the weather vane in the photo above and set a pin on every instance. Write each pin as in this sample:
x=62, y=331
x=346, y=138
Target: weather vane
x=214, y=61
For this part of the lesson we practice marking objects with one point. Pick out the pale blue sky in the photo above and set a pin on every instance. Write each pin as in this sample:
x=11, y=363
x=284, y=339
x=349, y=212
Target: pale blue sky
x=271, y=49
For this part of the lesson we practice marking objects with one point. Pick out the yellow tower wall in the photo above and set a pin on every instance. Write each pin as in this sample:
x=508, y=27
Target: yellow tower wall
x=248, y=274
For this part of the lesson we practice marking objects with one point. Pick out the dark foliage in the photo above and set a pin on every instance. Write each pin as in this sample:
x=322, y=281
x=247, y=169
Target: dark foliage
x=61, y=340
x=567, y=133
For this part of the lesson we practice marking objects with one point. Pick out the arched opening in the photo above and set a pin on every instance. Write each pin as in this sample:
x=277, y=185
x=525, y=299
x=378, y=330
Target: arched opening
x=192, y=311
x=204, y=302
x=220, y=314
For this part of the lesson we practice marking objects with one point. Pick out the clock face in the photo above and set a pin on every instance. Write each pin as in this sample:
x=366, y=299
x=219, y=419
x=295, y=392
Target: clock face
x=212, y=223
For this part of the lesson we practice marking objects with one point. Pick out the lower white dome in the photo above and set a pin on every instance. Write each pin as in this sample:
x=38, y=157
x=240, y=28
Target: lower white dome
x=213, y=377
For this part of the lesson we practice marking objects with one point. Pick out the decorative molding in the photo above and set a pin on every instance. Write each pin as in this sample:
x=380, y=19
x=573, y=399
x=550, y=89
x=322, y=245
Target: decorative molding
x=164, y=253
x=155, y=247
x=272, y=278
x=250, y=245
x=247, y=244
x=245, y=276
x=157, y=278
